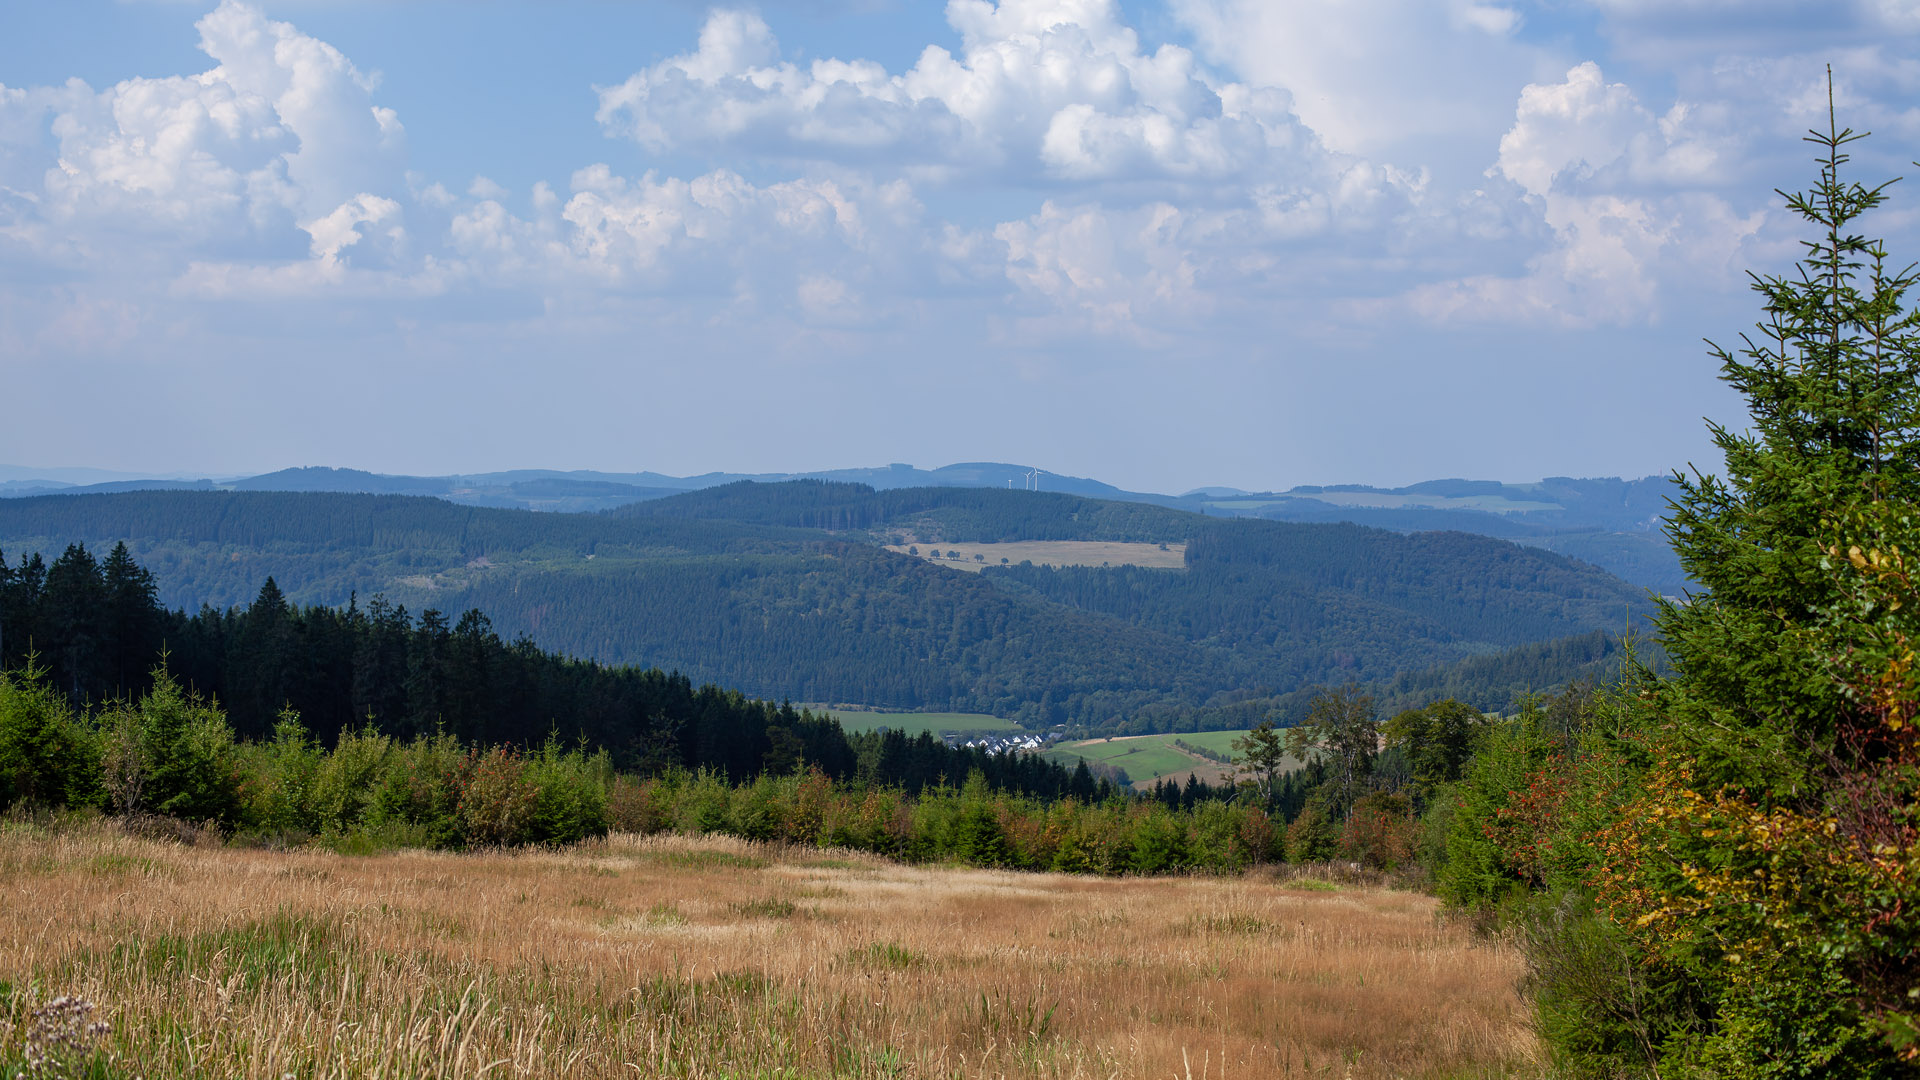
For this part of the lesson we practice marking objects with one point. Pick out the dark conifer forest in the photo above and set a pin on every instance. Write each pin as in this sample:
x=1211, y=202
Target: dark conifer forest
x=95, y=629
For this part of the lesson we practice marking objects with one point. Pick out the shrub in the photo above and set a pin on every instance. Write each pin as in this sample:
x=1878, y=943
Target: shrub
x=172, y=754
x=1313, y=836
x=1159, y=841
x=640, y=806
x=808, y=799
x=419, y=792
x=702, y=803
x=976, y=836
x=277, y=792
x=47, y=757
x=345, y=786
x=1256, y=840
x=753, y=810
x=498, y=801
x=570, y=800
x=1380, y=833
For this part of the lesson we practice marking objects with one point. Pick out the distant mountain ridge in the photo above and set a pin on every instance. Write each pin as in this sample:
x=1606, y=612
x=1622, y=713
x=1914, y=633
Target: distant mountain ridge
x=1612, y=523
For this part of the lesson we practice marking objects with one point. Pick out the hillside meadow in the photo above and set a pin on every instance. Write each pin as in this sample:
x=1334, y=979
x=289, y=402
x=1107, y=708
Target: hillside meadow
x=1147, y=758
x=962, y=555
x=709, y=957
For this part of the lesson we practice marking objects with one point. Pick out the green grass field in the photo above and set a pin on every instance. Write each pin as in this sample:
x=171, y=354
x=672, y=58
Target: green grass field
x=913, y=723
x=1147, y=757
x=1220, y=742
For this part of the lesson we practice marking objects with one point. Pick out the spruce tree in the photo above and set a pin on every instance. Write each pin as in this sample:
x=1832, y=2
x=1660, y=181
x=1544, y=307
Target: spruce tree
x=73, y=610
x=132, y=619
x=1763, y=880
x=1829, y=375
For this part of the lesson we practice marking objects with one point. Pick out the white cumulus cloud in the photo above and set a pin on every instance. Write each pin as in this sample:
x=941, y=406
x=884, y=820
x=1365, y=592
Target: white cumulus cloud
x=283, y=130
x=1628, y=199
x=1041, y=89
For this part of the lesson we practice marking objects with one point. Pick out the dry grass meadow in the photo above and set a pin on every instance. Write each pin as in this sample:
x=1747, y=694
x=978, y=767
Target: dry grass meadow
x=715, y=958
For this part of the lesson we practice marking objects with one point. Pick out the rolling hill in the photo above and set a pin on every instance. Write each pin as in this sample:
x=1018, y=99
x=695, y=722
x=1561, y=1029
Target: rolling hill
x=1611, y=523
x=785, y=590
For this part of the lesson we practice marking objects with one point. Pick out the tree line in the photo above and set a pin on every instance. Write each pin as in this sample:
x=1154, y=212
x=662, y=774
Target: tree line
x=94, y=634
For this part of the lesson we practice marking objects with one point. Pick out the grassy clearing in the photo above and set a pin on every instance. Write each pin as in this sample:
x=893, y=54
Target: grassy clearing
x=1144, y=758
x=913, y=723
x=1220, y=742
x=652, y=958
x=1151, y=757
x=1050, y=553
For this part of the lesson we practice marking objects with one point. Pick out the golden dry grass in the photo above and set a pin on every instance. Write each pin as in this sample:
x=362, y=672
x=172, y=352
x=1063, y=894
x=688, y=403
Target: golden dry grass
x=712, y=958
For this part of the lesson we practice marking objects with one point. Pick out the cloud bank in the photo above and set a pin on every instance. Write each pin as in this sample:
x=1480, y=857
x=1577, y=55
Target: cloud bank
x=1040, y=188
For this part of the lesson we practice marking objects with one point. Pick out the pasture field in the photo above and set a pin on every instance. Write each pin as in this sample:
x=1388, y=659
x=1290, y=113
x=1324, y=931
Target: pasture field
x=706, y=958
x=913, y=723
x=1050, y=553
x=1151, y=757
x=1220, y=742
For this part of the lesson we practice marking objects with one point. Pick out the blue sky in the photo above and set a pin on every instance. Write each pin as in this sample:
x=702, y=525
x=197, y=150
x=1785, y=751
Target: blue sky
x=1165, y=244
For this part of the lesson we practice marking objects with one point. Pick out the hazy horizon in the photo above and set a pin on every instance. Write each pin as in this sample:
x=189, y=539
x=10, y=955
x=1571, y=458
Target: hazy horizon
x=84, y=475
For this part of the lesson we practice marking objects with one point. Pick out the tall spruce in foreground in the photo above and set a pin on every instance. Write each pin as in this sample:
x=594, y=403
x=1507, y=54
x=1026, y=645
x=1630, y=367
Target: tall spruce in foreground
x=1761, y=883
x=1830, y=382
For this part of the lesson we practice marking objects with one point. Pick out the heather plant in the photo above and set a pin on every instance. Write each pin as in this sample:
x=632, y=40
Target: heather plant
x=63, y=1041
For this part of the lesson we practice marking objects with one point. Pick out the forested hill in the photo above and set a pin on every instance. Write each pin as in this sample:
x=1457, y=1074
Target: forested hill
x=784, y=591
